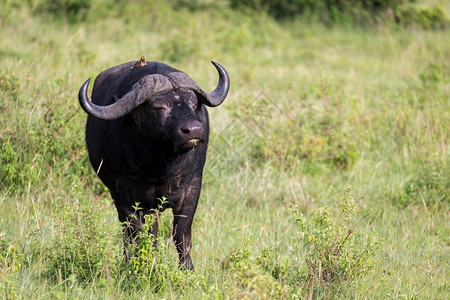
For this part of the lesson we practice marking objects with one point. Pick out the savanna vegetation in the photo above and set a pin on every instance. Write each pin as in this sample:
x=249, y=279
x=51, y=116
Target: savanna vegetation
x=328, y=169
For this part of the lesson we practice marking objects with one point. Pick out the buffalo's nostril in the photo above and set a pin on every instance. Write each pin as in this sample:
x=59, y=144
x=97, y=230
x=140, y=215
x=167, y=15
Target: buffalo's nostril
x=185, y=130
x=191, y=129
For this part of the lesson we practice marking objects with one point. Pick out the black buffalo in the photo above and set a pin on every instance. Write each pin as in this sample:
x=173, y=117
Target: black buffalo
x=147, y=136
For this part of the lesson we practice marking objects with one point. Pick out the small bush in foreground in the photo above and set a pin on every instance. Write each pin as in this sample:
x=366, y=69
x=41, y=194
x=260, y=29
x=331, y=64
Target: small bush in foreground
x=154, y=268
x=258, y=277
x=81, y=249
x=336, y=251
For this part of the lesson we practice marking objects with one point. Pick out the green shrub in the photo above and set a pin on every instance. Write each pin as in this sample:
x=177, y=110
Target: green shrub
x=329, y=10
x=10, y=166
x=177, y=49
x=428, y=185
x=258, y=277
x=39, y=136
x=11, y=258
x=335, y=250
x=154, y=268
x=9, y=87
x=7, y=6
x=425, y=16
x=332, y=252
x=70, y=10
x=272, y=262
x=12, y=263
x=434, y=73
x=318, y=130
x=81, y=250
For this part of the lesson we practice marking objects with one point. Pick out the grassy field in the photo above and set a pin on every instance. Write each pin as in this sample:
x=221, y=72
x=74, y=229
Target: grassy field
x=312, y=111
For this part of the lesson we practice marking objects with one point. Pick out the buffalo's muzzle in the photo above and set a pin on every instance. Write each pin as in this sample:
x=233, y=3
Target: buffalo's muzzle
x=191, y=133
x=191, y=129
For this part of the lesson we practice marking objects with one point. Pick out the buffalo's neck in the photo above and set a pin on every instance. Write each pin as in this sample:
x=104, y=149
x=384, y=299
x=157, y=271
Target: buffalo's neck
x=163, y=177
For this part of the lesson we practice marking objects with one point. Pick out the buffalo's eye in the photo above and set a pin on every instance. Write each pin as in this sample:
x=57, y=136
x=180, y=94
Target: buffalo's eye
x=160, y=106
x=193, y=105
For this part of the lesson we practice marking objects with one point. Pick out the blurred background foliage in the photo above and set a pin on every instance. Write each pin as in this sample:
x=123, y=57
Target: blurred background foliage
x=330, y=12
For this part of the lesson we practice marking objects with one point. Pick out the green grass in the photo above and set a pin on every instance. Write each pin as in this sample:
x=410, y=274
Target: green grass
x=312, y=110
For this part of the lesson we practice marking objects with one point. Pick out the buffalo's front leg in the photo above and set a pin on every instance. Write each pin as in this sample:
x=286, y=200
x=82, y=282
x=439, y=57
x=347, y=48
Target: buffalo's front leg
x=132, y=224
x=182, y=238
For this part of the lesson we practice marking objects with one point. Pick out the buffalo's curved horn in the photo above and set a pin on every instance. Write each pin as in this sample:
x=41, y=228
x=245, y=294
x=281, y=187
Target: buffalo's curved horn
x=219, y=94
x=212, y=99
x=144, y=89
